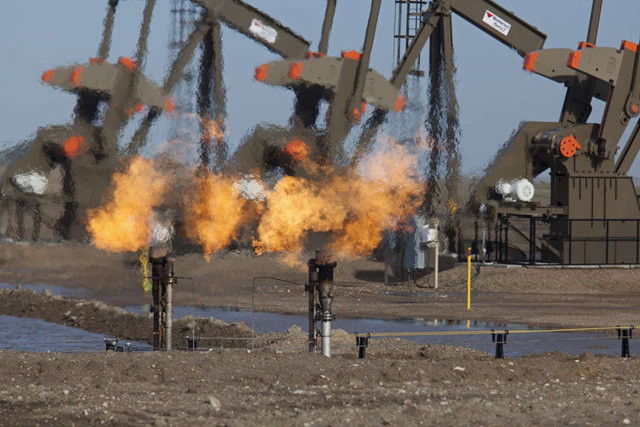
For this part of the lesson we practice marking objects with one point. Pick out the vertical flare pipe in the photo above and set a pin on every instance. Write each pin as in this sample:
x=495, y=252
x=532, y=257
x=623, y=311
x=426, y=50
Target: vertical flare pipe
x=312, y=289
x=169, y=282
x=325, y=263
x=157, y=271
x=326, y=338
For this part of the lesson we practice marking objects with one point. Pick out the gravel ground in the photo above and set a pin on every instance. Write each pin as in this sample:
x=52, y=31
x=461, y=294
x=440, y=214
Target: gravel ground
x=277, y=384
x=397, y=386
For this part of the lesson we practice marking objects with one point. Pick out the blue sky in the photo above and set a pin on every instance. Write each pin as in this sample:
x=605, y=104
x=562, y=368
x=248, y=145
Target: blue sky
x=493, y=91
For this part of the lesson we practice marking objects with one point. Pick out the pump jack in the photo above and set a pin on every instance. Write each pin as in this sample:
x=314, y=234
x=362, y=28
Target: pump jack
x=593, y=216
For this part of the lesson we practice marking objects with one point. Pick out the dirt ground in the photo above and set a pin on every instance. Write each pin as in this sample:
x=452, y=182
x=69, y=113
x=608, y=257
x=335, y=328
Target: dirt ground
x=400, y=382
x=535, y=296
x=393, y=386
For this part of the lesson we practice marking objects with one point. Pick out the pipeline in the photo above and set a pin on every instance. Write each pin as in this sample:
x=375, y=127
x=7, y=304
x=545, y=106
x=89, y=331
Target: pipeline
x=163, y=279
x=321, y=293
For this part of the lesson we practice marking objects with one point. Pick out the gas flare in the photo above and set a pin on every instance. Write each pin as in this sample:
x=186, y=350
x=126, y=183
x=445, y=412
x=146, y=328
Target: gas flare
x=215, y=212
x=123, y=224
x=356, y=208
x=296, y=206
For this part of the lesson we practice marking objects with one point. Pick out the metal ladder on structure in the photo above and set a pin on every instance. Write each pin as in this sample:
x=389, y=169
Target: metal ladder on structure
x=407, y=22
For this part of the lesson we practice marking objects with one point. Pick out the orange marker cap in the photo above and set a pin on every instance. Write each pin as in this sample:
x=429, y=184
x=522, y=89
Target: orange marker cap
x=574, y=59
x=352, y=54
x=629, y=46
x=530, y=61
x=295, y=70
x=76, y=76
x=261, y=72
x=74, y=146
x=47, y=76
x=128, y=62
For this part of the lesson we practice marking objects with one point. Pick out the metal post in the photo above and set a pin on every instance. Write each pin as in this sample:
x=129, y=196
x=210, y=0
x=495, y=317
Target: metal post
x=141, y=54
x=437, y=254
x=638, y=242
x=157, y=271
x=570, y=239
x=625, y=344
x=363, y=64
x=499, y=225
x=158, y=260
x=496, y=236
x=105, y=45
x=325, y=263
x=362, y=343
x=532, y=241
x=326, y=338
x=192, y=342
x=169, y=317
x=506, y=239
x=469, y=280
x=594, y=22
x=500, y=340
x=330, y=11
x=312, y=288
x=169, y=282
x=625, y=335
x=205, y=99
x=606, y=242
x=476, y=238
x=399, y=30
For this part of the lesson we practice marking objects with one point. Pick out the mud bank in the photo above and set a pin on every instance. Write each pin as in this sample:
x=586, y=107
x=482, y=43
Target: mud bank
x=98, y=317
x=533, y=296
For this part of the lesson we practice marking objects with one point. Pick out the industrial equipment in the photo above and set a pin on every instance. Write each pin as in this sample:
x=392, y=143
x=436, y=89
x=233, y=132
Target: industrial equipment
x=163, y=279
x=321, y=294
x=593, y=216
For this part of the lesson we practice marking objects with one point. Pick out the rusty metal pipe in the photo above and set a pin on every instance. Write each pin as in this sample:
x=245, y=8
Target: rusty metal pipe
x=157, y=271
x=312, y=287
x=158, y=260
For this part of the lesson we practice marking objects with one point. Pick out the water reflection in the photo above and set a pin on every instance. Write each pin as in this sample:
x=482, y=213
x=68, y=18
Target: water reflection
x=22, y=334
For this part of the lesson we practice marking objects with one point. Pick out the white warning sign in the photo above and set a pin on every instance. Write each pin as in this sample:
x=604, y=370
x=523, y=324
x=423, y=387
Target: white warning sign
x=496, y=23
x=263, y=31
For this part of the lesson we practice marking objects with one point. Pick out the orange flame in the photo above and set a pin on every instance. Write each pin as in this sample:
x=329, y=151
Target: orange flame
x=123, y=224
x=215, y=212
x=356, y=208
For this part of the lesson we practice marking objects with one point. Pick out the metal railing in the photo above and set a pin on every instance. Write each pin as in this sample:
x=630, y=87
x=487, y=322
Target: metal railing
x=531, y=240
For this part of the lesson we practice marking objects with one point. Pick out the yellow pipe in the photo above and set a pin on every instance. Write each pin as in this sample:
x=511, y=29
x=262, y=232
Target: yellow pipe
x=469, y=280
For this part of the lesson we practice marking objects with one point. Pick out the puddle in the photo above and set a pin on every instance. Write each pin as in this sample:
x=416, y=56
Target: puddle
x=37, y=335
x=23, y=334
x=55, y=290
x=517, y=344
